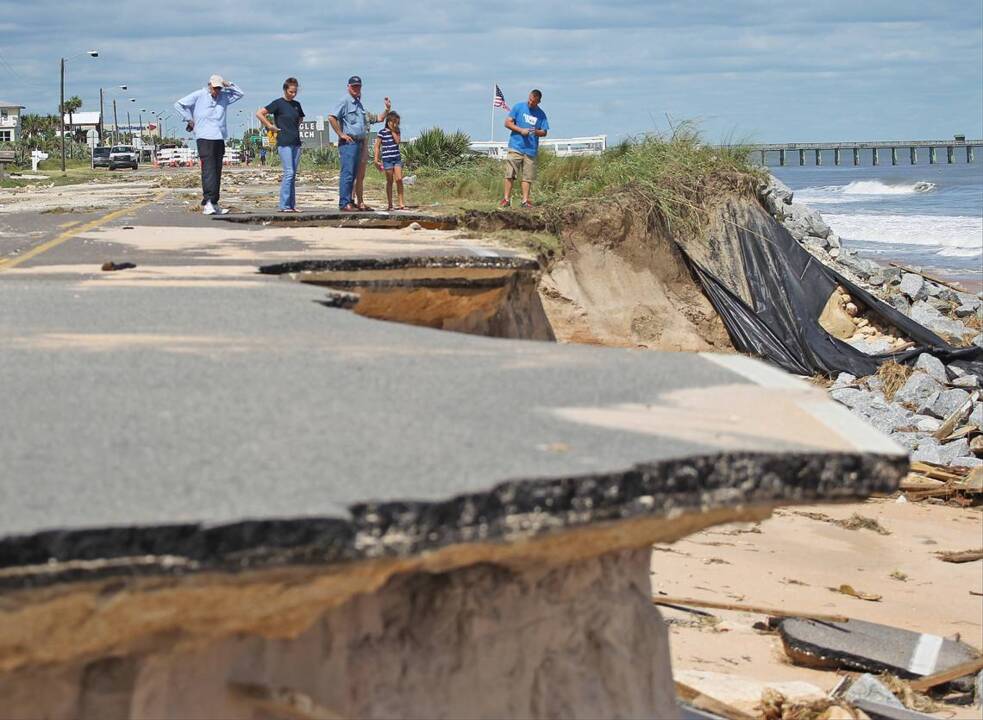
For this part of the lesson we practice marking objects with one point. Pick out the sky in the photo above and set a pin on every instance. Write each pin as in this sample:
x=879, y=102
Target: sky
x=743, y=70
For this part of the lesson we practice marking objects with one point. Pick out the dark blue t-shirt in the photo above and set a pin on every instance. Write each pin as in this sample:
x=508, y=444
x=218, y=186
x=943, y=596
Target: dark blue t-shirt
x=287, y=115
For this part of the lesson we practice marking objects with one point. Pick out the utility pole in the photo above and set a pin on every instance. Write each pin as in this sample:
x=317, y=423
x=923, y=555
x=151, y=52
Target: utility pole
x=129, y=126
x=115, y=124
x=102, y=118
x=61, y=113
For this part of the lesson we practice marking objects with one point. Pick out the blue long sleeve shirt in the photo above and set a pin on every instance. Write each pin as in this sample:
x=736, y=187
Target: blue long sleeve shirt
x=208, y=112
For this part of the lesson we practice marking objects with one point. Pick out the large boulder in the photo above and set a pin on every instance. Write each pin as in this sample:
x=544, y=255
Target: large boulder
x=802, y=220
x=860, y=267
x=952, y=450
x=774, y=194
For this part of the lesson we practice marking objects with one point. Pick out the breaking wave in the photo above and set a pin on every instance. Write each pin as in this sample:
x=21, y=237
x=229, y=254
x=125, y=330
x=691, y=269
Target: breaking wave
x=861, y=190
x=953, y=235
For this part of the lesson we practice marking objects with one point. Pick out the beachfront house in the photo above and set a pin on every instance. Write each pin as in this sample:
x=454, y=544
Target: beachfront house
x=9, y=122
x=84, y=125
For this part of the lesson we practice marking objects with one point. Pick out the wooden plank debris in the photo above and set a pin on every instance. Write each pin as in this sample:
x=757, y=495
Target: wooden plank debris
x=704, y=702
x=970, y=667
x=773, y=612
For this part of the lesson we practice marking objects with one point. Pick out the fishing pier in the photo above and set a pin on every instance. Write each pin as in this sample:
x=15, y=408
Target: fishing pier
x=958, y=145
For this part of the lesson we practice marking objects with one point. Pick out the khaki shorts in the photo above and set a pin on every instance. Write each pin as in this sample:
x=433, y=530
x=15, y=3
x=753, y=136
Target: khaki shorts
x=520, y=166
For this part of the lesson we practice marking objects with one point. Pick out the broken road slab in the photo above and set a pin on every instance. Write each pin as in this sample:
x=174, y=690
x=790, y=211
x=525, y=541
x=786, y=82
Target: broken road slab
x=870, y=647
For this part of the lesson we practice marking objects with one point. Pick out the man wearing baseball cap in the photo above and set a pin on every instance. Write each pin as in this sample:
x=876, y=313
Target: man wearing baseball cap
x=351, y=121
x=204, y=111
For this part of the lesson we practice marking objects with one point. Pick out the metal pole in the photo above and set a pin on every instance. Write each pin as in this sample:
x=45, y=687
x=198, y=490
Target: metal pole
x=61, y=113
x=493, y=116
x=102, y=120
x=141, y=131
x=129, y=126
x=115, y=125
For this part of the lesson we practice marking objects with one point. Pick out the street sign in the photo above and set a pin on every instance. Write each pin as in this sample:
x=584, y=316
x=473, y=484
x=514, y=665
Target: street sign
x=312, y=136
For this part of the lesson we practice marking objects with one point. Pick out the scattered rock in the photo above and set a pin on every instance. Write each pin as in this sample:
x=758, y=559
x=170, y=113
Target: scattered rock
x=913, y=286
x=978, y=340
x=923, y=313
x=947, y=403
x=976, y=416
x=932, y=366
x=955, y=371
x=900, y=303
x=774, y=195
x=860, y=267
x=929, y=450
x=867, y=687
x=966, y=310
x=968, y=461
x=833, y=241
x=851, y=397
x=918, y=388
x=415, y=226
x=955, y=449
x=927, y=424
x=966, y=381
x=892, y=275
x=907, y=440
x=844, y=379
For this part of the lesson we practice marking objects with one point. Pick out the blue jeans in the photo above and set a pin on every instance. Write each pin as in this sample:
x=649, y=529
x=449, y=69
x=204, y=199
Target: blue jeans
x=290, y=161
x=349, y=152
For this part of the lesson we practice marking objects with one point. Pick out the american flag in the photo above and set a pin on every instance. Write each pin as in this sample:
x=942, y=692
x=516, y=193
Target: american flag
x=499, y=100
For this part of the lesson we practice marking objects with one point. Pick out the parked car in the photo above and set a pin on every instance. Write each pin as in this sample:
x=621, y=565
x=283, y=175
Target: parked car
x=100, y=157
x=123, y=156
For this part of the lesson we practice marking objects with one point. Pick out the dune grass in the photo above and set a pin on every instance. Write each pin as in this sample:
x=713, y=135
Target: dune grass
x=672, y=177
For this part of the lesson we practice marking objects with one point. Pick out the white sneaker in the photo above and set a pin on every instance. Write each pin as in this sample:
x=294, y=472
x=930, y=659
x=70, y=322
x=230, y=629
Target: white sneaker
x=220, y=210
x=208, y=209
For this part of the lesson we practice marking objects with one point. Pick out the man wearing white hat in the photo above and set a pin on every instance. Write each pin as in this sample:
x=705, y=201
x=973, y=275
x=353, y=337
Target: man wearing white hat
x=204, y=111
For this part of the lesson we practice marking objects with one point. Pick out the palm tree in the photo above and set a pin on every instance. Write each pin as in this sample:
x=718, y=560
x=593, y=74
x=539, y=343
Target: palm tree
x=72, y=105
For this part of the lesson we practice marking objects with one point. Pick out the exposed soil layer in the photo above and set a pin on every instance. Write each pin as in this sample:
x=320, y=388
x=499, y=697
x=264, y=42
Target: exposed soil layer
x=620, y=280
x=422, y=645
x=494, y=297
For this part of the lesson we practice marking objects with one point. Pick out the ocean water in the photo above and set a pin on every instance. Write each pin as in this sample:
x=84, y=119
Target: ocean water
x=930, y=216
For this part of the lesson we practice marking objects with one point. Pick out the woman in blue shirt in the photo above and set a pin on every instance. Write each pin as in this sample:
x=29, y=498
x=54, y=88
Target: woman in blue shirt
x=288, y=115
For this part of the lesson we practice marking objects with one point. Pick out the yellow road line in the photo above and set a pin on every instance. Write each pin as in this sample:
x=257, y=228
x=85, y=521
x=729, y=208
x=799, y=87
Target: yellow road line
x=69, y=234
x=72, y=223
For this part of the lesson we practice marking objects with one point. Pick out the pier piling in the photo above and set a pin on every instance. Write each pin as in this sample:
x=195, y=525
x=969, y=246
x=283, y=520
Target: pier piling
x=914, y=155
x=969, y=153
x=856, y=156
x=874, y=157
x=836, y=156
x=781, y=158
x=894, y=156
x=819, y=157
x=950, y=154
x=932, y=157
x=802, y=157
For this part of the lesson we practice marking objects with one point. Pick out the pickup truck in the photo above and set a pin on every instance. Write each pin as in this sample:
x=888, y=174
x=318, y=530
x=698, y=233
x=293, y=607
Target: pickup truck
x=123, y=156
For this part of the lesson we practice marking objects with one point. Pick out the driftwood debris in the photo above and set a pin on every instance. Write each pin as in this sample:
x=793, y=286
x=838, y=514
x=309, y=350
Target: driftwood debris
x=774, y=612
x=961, y=556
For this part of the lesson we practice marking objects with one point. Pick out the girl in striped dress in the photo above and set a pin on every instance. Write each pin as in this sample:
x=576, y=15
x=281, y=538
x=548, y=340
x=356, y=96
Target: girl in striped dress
x=388, y=158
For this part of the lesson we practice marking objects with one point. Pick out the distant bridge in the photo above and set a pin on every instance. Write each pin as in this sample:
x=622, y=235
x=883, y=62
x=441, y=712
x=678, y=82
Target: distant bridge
x=912, y=146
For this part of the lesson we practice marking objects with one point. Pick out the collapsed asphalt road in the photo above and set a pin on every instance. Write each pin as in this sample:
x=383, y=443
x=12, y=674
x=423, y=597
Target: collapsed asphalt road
x=189, y=425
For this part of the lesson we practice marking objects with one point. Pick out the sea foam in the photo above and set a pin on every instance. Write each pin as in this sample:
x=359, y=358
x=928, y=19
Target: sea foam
x=861, y=191
x=953, y=235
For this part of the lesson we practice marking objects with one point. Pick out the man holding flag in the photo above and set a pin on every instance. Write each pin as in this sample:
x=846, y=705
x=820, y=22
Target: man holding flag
x=528, y=123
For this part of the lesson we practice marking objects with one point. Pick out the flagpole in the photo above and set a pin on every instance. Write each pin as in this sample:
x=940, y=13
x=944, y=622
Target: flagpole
x=493, y=114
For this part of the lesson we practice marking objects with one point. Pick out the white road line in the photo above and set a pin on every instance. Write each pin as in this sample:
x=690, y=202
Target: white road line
x=481, y=252
x=926, y=655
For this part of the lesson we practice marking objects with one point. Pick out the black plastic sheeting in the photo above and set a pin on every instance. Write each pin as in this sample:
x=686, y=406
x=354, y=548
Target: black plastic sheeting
x=790, y=288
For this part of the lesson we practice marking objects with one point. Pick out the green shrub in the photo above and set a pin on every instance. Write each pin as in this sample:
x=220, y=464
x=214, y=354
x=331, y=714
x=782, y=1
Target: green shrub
x=438, y=150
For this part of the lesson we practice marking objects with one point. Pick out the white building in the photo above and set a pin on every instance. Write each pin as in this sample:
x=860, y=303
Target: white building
x=593, y=145
x=9, y=122
x=90, y=122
